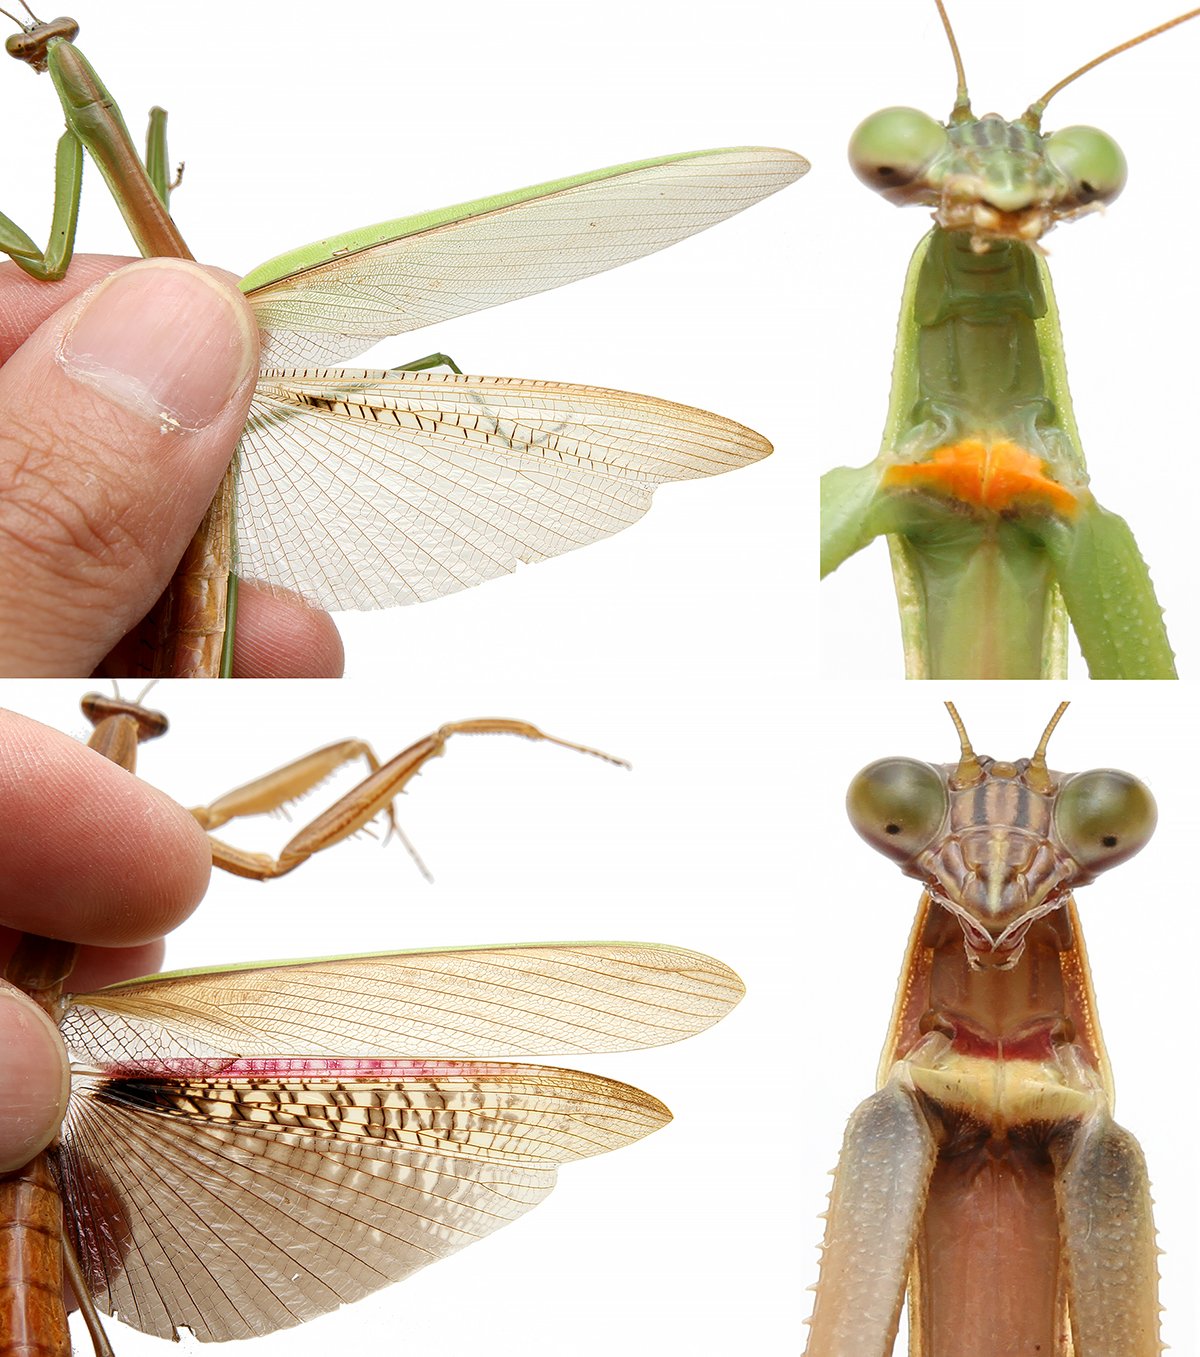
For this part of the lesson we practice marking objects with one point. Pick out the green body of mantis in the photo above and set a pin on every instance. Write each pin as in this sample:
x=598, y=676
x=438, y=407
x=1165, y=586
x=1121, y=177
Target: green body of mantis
x=980, y=485
x=406, y=485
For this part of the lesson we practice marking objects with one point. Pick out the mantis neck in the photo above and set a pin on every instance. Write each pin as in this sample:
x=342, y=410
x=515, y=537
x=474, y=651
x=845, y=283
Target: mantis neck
x=987, y=459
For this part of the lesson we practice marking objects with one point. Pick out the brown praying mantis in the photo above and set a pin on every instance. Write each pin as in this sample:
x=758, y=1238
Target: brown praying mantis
x=217, y=1179
x=987, y=1173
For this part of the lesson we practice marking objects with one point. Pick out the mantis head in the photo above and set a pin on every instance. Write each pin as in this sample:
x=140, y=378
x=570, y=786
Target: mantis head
x=1000, y=844
x=997, y=179
x=32, y=44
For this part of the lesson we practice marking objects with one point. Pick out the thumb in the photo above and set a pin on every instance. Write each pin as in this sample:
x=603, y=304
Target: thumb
x=34, y=1079
x=120, y=415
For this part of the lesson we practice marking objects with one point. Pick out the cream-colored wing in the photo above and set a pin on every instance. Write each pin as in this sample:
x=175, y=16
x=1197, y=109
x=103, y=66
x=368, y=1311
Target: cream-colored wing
x=372, y=489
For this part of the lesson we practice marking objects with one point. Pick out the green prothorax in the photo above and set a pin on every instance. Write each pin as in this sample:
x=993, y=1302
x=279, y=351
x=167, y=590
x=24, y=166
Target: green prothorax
x=980, y=484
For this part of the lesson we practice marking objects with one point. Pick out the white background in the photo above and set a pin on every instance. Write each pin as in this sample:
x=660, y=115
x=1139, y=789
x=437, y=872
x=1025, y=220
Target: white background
x=688, y=644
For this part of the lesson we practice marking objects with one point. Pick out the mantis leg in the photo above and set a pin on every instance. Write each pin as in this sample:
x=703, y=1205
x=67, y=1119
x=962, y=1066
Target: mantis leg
x=83, y=1296
x=373, y=796
x=157, y=164
x=276, y=789
x=1108, y=1242
x=431, y=360
x=51, y=263
x=875, y=1208
x=1109, y=597
x=1094, y=560
x=847, y=504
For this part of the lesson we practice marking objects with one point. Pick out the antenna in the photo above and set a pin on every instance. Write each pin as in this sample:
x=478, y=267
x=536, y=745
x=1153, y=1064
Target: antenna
x=962, y=100
x=968, y=771
x=1037, y=775
x=21, y=22
x=1033, y=114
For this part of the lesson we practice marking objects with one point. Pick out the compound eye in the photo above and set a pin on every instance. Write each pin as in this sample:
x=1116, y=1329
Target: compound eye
x=892, y=149
x=1104, y=817
x=1091, y=160
x=898, y=806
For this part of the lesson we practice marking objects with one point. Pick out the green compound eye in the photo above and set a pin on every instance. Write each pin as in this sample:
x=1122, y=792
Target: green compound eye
x=898, y=806
x=1104, y=817
x=1091, y=160
x=893, y=148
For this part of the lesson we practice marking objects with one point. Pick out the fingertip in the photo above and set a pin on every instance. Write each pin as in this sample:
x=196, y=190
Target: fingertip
x=122, y=413
x=279, y=637
x=117, y=864
x=35, y=1079
x=164, y=339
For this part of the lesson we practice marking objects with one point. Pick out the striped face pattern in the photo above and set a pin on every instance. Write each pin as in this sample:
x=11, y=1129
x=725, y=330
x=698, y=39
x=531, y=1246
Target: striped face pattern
x=1000, y=844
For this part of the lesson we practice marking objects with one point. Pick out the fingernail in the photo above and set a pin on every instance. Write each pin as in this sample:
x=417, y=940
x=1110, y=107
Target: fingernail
x=33, y=1080
x=164, y=339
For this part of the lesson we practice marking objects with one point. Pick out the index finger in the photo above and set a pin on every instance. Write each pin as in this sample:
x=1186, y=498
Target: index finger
x=91, y=854
x=26, y=302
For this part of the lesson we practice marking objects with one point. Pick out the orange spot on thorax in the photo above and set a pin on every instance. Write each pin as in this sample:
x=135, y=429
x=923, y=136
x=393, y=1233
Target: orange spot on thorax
x=989, y=475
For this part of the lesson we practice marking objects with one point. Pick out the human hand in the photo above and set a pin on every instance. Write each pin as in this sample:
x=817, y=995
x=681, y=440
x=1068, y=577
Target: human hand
x=94, y=856
x=99, y=495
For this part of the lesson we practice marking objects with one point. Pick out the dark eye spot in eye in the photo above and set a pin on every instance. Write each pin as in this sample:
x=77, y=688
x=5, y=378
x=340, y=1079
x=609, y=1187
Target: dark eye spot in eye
x=891, y=829
x=885, y=171
x=1109, y=840
x=1087, y=188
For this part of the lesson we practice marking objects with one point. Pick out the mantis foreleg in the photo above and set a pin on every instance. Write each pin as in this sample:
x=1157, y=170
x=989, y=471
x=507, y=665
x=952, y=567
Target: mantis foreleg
x=51, y=263
x=875, y=1208
x=1108, y=1242
x=431, y=360
x=373, y=796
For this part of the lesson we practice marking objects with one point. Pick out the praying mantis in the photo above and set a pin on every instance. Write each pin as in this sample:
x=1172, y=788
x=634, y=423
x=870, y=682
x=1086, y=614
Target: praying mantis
x=972, y=612
x=415, y=549
x=712, y=990
x=1136, y=1003
x=526, y=841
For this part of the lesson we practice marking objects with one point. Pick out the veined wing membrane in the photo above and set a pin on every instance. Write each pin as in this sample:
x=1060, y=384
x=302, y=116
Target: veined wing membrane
x=326, y=302
x=371, y=489
x=471, y=1002
x=248, y=1196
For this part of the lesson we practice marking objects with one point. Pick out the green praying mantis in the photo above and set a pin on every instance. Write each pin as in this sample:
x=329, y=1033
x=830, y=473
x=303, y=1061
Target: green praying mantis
x=980, y=487
x=407, y=485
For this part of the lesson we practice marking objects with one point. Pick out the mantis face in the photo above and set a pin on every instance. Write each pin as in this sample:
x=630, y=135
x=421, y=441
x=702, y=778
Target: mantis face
x=999, y=180
x=999, y=844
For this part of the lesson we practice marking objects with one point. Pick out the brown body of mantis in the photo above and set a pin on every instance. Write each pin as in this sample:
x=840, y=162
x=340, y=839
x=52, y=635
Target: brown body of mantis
x=987, y=1174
